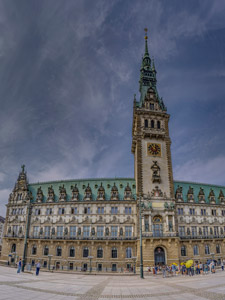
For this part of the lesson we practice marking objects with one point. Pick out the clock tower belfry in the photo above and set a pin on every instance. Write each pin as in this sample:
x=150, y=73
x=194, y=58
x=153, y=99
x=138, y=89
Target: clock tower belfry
x=151, y=141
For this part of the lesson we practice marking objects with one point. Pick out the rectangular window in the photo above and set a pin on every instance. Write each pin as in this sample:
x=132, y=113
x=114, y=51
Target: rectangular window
x=180, y=211
x=114, y=210
x=15, y=230
x=59, y=231
x=213, y=212
x=216, y=230
x=192, y=211
x=100, y=210
x=181, y=230
x=194, y=230
x=36, y=231
x=86, y=231
x=114, y=231
x=49, y=211
x=37, y=212
x=205, y=230
x=73, y=231
x=61, y=211
x=151, y=106
x=100, y=231
x=47, y=231
x=127, y=210
x=203, y=212
x=87, y=210
x=74, y=210
x=128, y=231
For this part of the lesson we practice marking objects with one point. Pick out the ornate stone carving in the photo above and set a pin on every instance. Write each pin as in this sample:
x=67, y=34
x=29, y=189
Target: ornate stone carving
x=101, y=193
x=156, y=192
x=190, y=194
x=75, y=193
x=201, y=196
x=155, y=172
x=178, y=194
x=51, y=194
x=127, y=193
x=62, y=193
x=88, y=193
x=114, y=193
x=212, y=197
x=40, y=195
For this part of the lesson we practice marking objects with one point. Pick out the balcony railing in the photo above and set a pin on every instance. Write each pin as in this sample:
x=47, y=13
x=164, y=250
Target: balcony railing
x=209, y=236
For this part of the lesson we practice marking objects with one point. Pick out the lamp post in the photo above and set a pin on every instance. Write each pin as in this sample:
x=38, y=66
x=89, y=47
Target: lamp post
x=134, y=259
x=90, y=257
x=141, y=250
x=49, y=262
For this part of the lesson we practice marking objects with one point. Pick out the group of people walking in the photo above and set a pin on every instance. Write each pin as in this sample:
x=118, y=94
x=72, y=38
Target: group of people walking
x=19, y=267
x=194, y=269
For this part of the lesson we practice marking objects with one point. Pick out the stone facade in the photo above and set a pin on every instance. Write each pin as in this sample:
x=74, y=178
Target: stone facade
x=95, y=223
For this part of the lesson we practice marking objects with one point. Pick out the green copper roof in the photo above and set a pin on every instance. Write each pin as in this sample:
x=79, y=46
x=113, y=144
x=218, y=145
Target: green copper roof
x=196, y=188
x=94, y=184
x=121, y=184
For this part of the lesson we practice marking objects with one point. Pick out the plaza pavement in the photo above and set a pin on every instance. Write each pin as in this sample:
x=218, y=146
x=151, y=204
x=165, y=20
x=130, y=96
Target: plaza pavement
x=64, y=286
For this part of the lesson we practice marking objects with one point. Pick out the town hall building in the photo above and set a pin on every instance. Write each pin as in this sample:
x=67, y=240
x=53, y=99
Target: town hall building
x=97, y=224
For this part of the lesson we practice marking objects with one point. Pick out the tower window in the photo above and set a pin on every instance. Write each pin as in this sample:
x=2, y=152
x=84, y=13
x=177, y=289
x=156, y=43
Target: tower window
x=146, y=123
x=152, y=106
x=158, y=124
x=152, y=124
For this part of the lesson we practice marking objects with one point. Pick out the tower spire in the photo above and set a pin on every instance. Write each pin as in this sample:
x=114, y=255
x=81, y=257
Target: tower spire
x=146, y=42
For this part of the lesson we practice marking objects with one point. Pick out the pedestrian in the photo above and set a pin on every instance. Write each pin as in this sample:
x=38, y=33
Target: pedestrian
x=19, y=266
x=164, y=271
x=222, y=265
x=38, y=266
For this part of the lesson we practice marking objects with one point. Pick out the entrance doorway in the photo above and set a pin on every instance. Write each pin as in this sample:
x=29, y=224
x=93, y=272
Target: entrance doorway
x=159, y=256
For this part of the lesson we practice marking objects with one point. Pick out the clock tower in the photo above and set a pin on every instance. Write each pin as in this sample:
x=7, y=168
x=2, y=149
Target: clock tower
x=151, y=141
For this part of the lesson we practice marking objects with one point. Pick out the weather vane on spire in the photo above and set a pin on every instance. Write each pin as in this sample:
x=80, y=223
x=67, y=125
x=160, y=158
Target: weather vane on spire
x=146, y=35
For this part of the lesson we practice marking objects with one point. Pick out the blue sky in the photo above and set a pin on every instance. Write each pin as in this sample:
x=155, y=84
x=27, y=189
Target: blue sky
x=68, y=73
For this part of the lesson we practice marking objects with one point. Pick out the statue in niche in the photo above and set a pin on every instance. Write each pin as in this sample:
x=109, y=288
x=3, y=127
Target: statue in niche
x=53, y=230
x=93, y=231
x=121, y=231
x=41, y=230
x=155, y=172
x=107, y=231
x=79, y=231
x=66, y=231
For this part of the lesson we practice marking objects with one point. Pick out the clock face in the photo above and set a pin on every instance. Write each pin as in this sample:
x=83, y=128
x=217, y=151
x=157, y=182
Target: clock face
x=154, y=149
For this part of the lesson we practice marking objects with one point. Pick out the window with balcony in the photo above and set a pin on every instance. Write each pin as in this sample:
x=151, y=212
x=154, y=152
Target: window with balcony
x=194, y=230
x=128, y=231
x=195, y=250
x=59, y=231
x=205, y=230
x=36, y=231
x=100, y=231
x=73, y=231
x=114, y=231
x=47, y=231
x=86, y=231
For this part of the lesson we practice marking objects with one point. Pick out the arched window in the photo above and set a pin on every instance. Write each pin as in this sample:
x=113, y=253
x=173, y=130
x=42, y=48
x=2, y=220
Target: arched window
x=114, y=252
x=183, y=251
x=158, y=124
x=146, y=123
x=72, y=252
x=58, y=251
x=217, y=249
x=34, y=250
x=152, y=124
x=99, y=252
x=128, y=252
x=195, y=250
x=46, y=250
x=207, y=250
x=85, y=252
x=13, y=248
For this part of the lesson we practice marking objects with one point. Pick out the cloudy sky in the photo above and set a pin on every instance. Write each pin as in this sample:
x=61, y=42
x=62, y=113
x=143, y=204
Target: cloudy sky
x=68, y=72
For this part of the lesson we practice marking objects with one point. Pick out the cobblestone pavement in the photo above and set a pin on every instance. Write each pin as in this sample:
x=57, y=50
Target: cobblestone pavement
x=59, y=286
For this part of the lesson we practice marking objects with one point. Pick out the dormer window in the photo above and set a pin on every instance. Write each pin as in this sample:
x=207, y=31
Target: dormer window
x=152, y=124
x=146, y=123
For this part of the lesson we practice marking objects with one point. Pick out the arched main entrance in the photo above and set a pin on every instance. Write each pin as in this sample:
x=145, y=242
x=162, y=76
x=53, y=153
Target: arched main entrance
x=159, y=255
